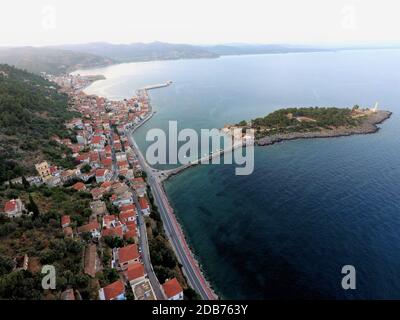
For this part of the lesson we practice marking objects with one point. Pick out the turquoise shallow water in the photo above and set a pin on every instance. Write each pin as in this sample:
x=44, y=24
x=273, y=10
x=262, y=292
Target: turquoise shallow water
x=311, y=206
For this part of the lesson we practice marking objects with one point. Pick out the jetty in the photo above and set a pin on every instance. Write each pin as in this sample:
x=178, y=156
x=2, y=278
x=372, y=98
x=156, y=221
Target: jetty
x=157, y=86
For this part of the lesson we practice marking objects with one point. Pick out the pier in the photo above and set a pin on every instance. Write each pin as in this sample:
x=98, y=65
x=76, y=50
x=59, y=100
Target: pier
x=157, y=86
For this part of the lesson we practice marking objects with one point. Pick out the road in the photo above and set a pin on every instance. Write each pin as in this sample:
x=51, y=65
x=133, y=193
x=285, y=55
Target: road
x=144, y=246
x=143, y=241
x=190, y=266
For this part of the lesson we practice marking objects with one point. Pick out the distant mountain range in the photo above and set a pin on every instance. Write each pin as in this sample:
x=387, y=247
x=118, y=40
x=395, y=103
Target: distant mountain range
x=66, y=58
x=50, y=60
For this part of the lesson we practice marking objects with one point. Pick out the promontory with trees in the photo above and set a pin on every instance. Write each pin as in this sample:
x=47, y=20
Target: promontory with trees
x=314, y=122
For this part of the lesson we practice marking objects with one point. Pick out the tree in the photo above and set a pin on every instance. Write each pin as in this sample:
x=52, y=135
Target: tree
x=32, y=207
x=86, y=168
x=163, y=273
x=190, y=294
x=113, y=242
x=6, y=265
x=110, y=275
x=25, y=183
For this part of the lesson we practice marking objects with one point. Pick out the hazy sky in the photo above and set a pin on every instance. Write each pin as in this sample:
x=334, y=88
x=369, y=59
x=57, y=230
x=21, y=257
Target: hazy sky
x=43, y=22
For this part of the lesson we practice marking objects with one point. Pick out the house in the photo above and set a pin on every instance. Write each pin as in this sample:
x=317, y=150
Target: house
x=127, y=256
x=68, y=232
x=53, y=181
x=108, y=151
x=103, y=175
x=97, y=142
x=109, y=221
x=135, y=273
x=97, y=193
x=123, y=199
x=143, y=290
x=93, y=228
x=14, y=208
x=173, y=290
x=106, y=185
x=114, y=291
x=43, y=170
x=115, y=232
x=98, y=208
x=65, y=221
x=68, y=295
x=69, y=175
x=107, y=163
x=91, y=260
x=144, y=206
x=123, y=165
x=79, y=186
x=131, y=232
x=127, y=215
x=21, y=262
x=121, y=156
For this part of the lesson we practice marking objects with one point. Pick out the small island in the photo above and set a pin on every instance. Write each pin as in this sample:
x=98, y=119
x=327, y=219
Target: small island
x=314, y=122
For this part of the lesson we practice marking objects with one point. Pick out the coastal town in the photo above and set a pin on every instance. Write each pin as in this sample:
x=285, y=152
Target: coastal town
x=109, y=169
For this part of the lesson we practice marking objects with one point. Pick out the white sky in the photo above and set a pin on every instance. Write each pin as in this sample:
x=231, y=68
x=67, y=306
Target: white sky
x=44, y=22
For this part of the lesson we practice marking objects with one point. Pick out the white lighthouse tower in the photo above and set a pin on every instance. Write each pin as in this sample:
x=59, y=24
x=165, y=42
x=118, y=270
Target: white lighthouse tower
x=375, y=109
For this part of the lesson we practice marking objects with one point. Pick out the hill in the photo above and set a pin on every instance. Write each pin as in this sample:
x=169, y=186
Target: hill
x=314, y=122
x=31, y=111
x=243, y=49
x=50, y=60
x=141, y=51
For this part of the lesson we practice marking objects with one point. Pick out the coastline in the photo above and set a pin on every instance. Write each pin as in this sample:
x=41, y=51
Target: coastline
x=170, y=211
x=368, y=126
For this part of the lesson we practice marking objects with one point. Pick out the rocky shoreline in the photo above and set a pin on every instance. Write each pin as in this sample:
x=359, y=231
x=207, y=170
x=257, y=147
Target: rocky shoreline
x=368, y=125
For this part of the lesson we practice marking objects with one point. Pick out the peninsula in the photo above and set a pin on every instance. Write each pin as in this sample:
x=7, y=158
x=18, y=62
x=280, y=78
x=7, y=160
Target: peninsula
x=314, y=122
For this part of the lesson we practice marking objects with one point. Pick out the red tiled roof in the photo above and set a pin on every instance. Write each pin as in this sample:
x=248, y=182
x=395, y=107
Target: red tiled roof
x=107, y=162
x=96, y=139
x=135, y=271
x=143, y=203
x=113, y=232
x=88, y=227
x=10, y=205
x=65, y=220
x=108, y=219
x=100, y=172
x=114, y=290
x=172, y=288
x=106, y=184
x=122, y=163
x=130, y=234
x=125, y=215
x=128, y=253
x=127, y=207
x=79, y=186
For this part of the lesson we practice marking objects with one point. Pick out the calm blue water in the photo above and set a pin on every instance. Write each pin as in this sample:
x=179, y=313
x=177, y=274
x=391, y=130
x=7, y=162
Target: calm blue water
x=311, y=206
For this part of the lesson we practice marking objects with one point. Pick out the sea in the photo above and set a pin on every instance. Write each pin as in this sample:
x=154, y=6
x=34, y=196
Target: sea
x=311, y=207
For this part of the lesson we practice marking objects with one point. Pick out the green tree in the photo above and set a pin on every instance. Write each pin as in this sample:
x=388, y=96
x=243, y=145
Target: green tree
x=25, y=183
x=32, y=207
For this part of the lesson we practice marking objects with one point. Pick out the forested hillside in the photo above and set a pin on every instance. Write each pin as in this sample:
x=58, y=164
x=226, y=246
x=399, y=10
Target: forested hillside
x=31, y=111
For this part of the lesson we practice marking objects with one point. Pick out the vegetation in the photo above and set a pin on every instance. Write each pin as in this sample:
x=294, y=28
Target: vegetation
x=50, y=60
x=42, y=239
x=31, y=112
x=303, y=120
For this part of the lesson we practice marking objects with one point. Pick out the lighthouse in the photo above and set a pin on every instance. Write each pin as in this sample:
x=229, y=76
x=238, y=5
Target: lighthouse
x=375, y=109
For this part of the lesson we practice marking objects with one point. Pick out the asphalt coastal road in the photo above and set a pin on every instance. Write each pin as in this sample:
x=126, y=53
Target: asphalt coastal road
x=190, y=266
x=144, y=245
